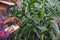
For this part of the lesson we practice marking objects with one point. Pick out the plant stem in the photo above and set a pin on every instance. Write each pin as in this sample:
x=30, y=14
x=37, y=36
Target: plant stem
x=25, y=38
x=42, y=37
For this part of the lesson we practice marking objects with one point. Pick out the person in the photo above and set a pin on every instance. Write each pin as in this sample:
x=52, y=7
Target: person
x=5, y=30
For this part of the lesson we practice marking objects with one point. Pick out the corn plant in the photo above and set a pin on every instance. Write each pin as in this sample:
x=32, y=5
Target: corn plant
x=38, y=20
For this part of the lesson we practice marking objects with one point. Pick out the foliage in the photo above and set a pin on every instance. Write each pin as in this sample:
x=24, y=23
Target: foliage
x=38, y=20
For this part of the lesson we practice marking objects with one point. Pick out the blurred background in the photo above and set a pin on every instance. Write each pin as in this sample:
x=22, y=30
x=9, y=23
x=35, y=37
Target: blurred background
x=40, y=20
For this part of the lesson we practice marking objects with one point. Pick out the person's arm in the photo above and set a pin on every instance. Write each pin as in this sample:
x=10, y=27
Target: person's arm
x=9, y=20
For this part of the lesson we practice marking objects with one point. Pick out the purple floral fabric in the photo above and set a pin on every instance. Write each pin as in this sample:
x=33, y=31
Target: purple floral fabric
x=3, y=34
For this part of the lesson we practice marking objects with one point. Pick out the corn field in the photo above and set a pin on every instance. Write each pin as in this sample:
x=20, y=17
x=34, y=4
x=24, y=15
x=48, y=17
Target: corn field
x=38, y=20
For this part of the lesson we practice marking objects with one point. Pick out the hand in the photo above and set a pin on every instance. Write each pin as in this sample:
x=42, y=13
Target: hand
x=10, y=29
x=17, y=21
x=12, y=19
x=58, y=35
x=58, y=21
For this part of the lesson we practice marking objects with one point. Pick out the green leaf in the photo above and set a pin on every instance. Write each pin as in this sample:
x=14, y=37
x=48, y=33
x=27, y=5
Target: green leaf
x=42, y=28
